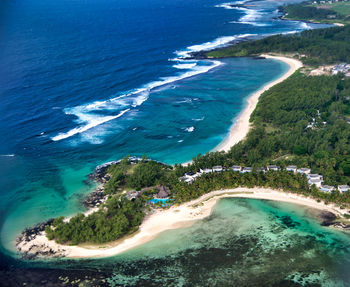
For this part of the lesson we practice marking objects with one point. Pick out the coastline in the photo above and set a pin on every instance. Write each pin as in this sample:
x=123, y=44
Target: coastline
x=172, y=218
x=240, y=127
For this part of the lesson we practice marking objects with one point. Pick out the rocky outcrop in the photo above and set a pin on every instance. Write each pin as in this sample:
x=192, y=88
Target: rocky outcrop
x=331, y=220
x=327, y=218
x=95, y=198
x=30, y=246
x=30, y=233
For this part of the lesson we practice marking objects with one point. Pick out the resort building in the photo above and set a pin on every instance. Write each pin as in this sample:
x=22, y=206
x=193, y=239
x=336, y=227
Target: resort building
x=206, y=170
x=189, y=174
x=273, y=167
x=291, y=168
x=189, y=179
x=246, y=170
x=315, y=181
x=236, y=168
x=197, y=174
x=304, y=170
x=163, y=192
x=326, y=188
x=315, y=176
x=133, y=194
x=217, y=168
x=343, y=188
x=341, y=68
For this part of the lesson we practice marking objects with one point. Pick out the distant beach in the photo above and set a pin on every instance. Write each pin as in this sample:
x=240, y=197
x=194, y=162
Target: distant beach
x=241, y=126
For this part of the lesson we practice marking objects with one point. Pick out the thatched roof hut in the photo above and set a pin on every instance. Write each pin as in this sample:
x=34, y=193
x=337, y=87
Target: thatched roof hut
x=163, y=192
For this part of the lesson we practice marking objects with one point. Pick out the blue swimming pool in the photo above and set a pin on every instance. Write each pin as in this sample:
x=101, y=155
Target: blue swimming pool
x=160, y=201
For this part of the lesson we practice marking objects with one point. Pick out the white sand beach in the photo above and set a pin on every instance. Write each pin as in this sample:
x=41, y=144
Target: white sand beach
x=241, y=126
x=174, y=217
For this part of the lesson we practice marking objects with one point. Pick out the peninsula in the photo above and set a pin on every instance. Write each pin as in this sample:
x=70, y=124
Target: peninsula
x=289, y=144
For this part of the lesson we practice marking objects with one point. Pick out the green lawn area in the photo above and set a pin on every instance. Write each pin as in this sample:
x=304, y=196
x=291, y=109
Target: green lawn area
x=343, y=8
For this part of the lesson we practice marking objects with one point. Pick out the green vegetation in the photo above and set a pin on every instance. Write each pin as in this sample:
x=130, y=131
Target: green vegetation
x=323, y=13
x=117, y=218
x=314, y=47
x=125, y=176
x=285, y=180
x=342, y=8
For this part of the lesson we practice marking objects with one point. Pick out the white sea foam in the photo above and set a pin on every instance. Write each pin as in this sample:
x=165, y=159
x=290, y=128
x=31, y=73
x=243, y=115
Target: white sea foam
x=90, y=115
x=217, y=43
x=7, y=155
x=198, y=120
x=189, y=129
x=257, y=24
x=91, y=122
x=180, y=141
x=305, y=26
x=185, y=66
x=290, y=32
x=86, y=114
x=228, y=5
x=251, y=15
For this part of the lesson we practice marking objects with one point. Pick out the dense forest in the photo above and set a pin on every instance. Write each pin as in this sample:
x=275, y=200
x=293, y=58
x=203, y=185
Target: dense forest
x=117, y=218
x=314, y=47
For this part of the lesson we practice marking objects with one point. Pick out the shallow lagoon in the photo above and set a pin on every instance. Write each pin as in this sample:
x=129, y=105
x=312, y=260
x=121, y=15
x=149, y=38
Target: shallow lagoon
x=245, y=242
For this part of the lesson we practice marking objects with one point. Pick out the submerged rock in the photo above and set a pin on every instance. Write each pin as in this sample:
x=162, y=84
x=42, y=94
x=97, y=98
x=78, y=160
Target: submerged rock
x=327, y=218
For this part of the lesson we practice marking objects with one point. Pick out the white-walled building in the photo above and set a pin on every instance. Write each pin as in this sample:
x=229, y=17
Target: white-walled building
x=291, y=168
x=304, y=170
x=343, y=188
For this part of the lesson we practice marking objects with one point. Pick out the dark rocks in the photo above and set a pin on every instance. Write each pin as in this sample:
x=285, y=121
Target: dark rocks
x=327, y=218
x=25, y=243
x=95, y=198
x=330, y=219
x=101, y=171
x=30, y=233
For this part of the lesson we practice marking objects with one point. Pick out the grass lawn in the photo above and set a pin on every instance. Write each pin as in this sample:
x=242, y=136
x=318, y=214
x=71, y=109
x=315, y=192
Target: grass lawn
x=343, y=8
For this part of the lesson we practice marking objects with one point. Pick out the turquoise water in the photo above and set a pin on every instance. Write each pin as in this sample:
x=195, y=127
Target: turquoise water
x=245, y=242
x=85, y=82
x=176, y=123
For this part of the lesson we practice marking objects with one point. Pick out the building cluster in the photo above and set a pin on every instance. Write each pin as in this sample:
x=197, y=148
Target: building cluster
x=343, y=68
x=313, y=179
x=316, y=123
x=328, y=1
x=162, y=192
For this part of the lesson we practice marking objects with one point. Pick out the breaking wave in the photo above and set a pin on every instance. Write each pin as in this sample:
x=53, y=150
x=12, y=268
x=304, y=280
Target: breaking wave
x=93, y=114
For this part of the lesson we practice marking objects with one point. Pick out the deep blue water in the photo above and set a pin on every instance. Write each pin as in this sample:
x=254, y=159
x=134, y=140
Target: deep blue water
x=83, y=82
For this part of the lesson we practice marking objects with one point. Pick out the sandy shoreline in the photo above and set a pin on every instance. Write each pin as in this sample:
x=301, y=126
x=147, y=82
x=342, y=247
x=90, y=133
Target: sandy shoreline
x=172, y=218
x=241, y=126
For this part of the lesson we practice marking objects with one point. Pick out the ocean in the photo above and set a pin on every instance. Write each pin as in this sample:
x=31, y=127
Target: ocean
x=85, y=82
